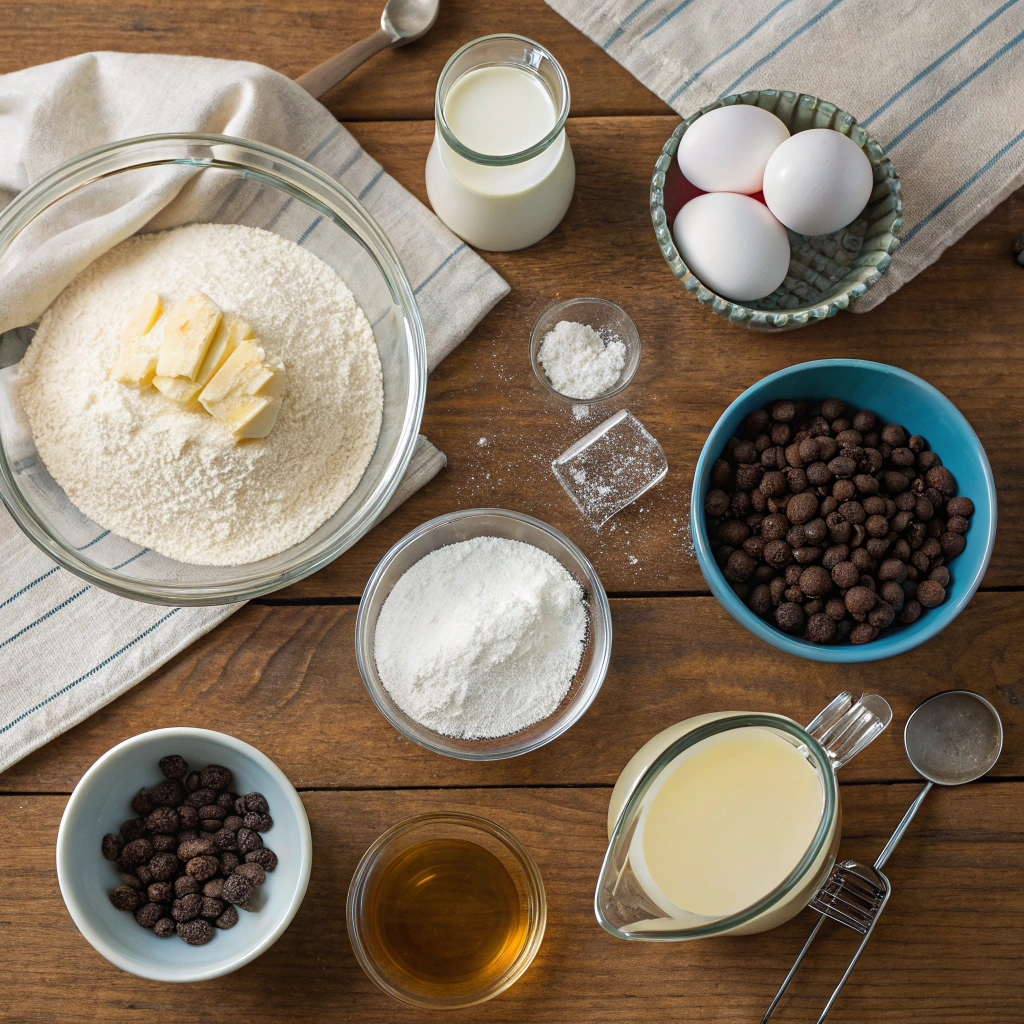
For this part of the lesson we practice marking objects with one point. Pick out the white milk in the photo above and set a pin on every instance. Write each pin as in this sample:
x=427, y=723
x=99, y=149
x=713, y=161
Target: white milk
x=500, y=110
x=726, y=824
x=696, y=822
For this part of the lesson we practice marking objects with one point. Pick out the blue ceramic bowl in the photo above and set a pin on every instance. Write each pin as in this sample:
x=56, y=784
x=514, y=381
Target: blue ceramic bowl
x=895, y=396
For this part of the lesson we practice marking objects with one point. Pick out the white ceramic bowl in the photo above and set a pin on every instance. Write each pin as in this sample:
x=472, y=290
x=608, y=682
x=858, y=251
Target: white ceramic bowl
x=102, y=801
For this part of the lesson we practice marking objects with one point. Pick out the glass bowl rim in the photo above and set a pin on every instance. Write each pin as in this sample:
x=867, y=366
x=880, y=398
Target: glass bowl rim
x=295, y=177
x=562, y=718
x=829, y=816
x=633, y=345
x=472, y=822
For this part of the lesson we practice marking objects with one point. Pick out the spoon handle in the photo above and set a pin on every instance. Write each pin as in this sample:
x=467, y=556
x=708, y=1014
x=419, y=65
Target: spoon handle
x=327, y=75
x=901, y=828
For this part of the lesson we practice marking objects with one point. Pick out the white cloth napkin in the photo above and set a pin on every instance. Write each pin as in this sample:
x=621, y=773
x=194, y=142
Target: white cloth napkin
x=67, y=648
x=939, y=84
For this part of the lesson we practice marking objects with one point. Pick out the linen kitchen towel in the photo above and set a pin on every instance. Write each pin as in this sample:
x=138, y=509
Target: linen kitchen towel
x=939, y=84
x=67, y=648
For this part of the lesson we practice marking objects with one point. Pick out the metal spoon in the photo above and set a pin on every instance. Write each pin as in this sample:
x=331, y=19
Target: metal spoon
x=401, y=22
x=951, y=739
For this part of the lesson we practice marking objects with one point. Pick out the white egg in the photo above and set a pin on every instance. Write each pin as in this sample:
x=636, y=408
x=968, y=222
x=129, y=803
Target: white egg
x=817, y=181
x=726, y=149
x=733, y=245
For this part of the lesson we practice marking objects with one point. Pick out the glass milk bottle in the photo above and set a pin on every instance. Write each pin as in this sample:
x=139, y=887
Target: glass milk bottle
x=500, y=172
x=728, y=823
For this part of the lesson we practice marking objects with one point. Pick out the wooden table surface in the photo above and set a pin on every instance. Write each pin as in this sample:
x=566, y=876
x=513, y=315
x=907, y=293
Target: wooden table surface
x=281, y=673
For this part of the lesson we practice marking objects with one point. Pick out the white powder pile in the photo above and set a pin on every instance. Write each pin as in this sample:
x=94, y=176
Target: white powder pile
x=481, y=638
x=173, y=479
x=578, y=361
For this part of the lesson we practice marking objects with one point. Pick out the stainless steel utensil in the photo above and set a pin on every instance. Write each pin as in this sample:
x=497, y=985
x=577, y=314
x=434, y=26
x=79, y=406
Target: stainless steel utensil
x=951, y=739
x=401, y=22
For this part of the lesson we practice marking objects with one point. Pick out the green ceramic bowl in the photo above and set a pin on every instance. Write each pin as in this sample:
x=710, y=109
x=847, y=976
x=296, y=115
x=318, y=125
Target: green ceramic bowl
x=827, y=272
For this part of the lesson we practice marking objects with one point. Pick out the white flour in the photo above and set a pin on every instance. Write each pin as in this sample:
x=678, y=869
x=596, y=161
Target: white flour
x=578, y=361
x=481, y=638
x=172, y=479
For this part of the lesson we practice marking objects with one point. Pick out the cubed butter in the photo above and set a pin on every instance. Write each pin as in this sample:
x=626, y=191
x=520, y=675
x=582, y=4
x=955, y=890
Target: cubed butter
x=142, y=318
x=188, y=330
x=137, y=358
x=245, y=393
x=184, y=391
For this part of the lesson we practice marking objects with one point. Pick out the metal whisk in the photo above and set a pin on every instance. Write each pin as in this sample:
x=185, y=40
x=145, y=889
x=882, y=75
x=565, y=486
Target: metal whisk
x=952, y=738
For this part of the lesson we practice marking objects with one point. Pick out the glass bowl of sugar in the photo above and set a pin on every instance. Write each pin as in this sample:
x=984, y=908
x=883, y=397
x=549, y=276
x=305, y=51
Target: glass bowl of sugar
x=550, y=553
x=585, y=350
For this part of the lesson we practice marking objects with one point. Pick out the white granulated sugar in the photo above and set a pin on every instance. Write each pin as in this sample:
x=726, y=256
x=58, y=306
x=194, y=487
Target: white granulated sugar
x=172, y=479
x=481, y=638
x=578, y=361
x=581, y=412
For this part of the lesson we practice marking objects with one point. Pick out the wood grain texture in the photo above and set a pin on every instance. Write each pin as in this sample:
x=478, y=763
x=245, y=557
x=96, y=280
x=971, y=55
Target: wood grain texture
x=693, y=366
x=285, y=680
x=293, y=36
x=957, y=914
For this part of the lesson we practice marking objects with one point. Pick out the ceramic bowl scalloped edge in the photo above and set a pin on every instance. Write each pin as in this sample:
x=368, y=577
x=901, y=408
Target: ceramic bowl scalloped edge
x=818, y=292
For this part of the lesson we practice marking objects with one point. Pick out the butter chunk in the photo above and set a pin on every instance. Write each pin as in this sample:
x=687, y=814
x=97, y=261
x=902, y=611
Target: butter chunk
x=145, y=314
x=232, y=332
x=188, y=331
x=135, y=363
x=179, y=389
x=245, y=393
x=185, y=391
x=137, y=358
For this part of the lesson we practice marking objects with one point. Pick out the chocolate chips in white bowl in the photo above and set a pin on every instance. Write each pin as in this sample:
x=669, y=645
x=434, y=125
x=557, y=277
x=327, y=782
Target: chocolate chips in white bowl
x=193, y=853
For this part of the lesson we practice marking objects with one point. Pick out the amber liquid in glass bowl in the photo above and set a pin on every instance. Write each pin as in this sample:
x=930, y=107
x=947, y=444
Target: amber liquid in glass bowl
x=445, y=916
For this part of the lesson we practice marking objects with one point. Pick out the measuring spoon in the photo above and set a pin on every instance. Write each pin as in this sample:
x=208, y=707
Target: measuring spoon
x=401, y=22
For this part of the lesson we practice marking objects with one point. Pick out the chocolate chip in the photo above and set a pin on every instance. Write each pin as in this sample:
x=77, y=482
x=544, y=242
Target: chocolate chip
x=253, y=871
x=228, y=919
x=238, y=889
x=215, y=776
x=202, y=867
x=265, y=857
x=196, y=932
x=173, y=766
x=149, y=913
x=125, y=898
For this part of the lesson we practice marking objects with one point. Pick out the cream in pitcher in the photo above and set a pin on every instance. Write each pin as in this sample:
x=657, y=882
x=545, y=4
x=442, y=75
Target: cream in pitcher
x=728, y=823
x=500, y=172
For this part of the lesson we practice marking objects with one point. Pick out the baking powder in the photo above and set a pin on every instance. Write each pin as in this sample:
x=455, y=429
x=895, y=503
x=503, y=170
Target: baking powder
x=579, y=362
x=481, y=638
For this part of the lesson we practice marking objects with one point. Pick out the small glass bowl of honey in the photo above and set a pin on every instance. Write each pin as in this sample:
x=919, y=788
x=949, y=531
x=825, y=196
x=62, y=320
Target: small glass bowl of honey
x=446, y=910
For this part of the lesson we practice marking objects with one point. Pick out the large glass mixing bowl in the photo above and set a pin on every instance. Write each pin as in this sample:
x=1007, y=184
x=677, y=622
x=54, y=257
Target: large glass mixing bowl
x=220, y=180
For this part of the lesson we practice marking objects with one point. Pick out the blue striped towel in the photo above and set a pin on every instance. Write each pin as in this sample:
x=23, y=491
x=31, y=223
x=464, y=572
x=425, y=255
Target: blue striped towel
x=67, y=648
x=940, y=84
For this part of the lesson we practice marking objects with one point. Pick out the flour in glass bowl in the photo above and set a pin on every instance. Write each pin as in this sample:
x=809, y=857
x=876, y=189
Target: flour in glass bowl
x=481, y=638
x=174, y=479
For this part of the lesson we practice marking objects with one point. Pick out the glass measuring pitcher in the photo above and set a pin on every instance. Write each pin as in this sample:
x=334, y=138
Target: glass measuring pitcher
x=631, y=903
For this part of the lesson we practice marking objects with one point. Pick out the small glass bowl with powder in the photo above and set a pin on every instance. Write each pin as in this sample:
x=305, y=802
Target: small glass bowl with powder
x=458, y=709
x=585, y=350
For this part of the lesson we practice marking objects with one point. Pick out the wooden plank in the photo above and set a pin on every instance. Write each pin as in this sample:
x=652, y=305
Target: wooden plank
x=948, y=947
x=293, y=36
x=693, y=365
x=285, y=680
